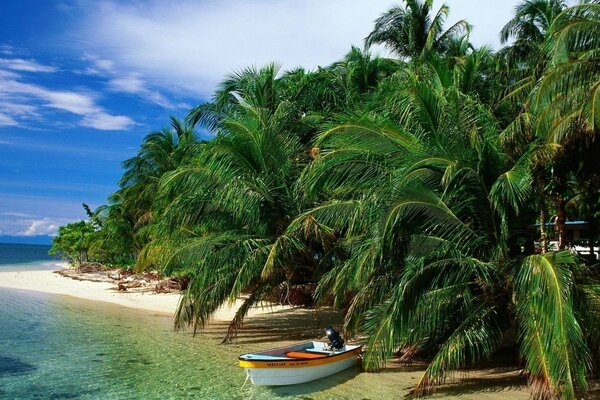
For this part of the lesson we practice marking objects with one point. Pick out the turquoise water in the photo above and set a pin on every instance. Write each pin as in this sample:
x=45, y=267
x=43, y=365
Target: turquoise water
x=57, y=347
x=60, y=347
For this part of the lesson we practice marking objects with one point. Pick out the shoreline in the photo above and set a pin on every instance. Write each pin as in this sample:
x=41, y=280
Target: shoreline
x=52, y=282
x=266, y=327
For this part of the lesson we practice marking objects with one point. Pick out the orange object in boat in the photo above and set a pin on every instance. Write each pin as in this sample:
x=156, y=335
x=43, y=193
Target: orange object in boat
x=305, y=355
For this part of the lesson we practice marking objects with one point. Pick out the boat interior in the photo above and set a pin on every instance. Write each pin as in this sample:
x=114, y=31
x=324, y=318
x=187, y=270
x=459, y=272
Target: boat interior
x=307, y=350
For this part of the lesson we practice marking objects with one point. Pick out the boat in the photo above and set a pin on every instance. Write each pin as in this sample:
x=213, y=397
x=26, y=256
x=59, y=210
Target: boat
x=300, y=363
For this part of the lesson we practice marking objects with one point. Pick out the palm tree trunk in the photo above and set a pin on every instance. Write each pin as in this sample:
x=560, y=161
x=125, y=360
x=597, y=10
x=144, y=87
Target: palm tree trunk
x=561, y=219
x=592, y=233
x=543, y=237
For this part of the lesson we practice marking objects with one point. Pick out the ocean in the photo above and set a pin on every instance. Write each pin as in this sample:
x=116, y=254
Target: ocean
x=26, y=257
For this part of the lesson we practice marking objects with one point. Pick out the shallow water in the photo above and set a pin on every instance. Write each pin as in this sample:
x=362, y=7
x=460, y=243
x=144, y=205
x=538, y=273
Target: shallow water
x=60, y=347
x=57, y=347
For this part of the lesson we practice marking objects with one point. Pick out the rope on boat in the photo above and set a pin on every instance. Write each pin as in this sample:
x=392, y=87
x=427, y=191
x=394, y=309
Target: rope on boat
x=247, y=377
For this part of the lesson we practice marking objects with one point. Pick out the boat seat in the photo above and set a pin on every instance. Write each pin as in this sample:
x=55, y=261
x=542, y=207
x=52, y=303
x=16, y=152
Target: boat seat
x=305, y=355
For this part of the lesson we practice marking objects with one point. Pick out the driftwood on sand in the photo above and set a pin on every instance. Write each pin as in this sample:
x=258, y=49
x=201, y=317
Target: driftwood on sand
x=126, y=281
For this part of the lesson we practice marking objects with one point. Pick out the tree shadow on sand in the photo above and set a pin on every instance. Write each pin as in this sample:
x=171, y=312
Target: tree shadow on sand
x=490, y=380
x=281, y=326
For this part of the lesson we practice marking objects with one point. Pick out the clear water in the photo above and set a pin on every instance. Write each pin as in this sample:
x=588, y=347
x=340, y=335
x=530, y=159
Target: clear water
x=57, y=347
x=60, y=347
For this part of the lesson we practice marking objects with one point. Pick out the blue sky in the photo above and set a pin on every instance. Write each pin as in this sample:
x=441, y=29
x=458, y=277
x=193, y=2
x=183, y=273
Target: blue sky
x=82, y=82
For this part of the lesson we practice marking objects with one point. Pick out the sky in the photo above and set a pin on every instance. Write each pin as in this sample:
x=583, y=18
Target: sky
x=82, y=82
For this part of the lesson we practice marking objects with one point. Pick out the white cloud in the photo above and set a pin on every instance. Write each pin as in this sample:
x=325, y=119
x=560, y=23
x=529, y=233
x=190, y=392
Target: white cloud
x=133, y=84
x=8, y=74
x=69, y=150
x=21, y=224
x=7, y=120
x=34, y=214
x=44, y=226
x=19, y=64
x=20, y=101
x=76, y=103
x=127, y=82
x=6, y=49
x=106, y=122
x=191, y=45
x=15, y=214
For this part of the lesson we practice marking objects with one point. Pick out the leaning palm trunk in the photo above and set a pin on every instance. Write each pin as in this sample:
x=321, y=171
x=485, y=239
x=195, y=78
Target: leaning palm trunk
x=592, y=233
x=543, y=235
x=561, y=218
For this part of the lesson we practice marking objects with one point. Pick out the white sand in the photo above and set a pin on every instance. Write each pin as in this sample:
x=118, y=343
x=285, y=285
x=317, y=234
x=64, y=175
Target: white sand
x=51, y=282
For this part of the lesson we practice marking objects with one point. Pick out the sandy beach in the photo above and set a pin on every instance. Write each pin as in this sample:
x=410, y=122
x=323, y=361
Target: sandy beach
x=55, y=283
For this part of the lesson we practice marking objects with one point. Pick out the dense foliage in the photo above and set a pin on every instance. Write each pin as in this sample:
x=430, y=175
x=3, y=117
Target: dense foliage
x=403, y=190
x=73, y=242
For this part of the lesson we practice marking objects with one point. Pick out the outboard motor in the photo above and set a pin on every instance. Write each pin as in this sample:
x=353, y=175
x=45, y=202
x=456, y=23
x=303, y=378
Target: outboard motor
x=334, y=337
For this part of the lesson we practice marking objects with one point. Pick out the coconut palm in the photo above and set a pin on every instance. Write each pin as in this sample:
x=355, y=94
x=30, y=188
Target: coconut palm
x=522, y=63
x=572, y=82
x=359, y=74
x=562, y=101
x=412, y=32
x=239, y=196
x=425, y=216
x=134, y=205
x=530, y=25
x=258, y=87
x=160, y=152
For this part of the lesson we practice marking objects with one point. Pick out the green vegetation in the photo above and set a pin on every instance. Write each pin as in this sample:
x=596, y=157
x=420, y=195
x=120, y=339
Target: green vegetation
x=400, y=190
x=73, y=242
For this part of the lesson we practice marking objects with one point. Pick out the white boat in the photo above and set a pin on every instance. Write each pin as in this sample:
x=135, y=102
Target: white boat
x=299, y=363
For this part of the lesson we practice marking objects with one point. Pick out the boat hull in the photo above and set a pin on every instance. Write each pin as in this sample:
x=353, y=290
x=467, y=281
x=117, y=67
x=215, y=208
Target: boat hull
x=278, y=373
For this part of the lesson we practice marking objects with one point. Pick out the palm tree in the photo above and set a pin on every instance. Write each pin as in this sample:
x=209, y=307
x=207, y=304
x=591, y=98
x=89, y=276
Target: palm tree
x=261, y=88
x=359, y=74
x=425, y=216
x=133, y=207
x=411, y=32
x=572, y=82
x=565, y=98
x=532, y=22
x=523, y=62
x=160, y=152
x=229, y=207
